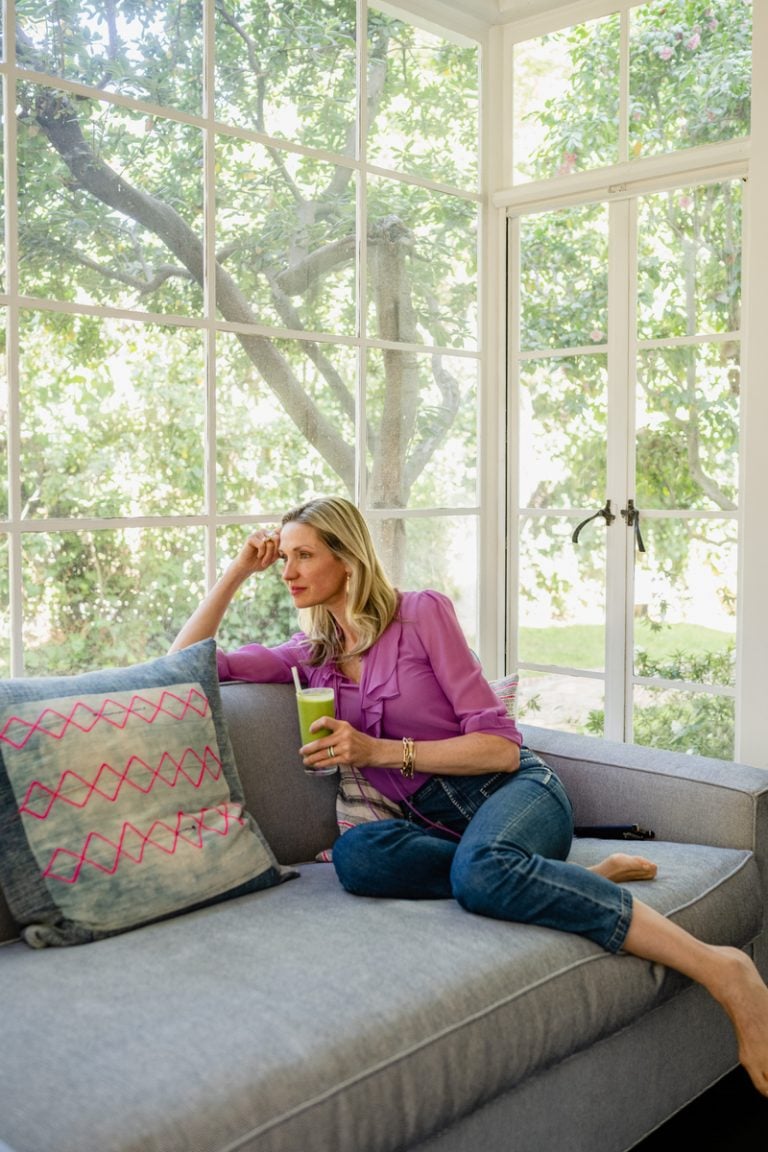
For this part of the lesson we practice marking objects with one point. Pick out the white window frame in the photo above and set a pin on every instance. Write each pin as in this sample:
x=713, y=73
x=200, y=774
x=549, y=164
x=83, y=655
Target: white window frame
x=748, y=158
x=485, y=512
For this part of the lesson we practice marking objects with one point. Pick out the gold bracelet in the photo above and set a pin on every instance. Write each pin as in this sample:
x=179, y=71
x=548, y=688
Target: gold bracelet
x=409, y=757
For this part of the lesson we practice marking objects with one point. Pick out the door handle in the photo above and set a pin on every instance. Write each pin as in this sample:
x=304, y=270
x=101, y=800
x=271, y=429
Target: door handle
x=606, y=514
x=632, y=517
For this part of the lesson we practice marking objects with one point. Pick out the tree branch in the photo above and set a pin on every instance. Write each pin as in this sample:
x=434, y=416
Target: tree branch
x=57, y=117
x=440, y=424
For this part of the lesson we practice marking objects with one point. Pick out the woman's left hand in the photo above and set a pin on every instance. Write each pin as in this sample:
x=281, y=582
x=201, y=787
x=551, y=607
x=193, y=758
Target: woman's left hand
x=345, y=745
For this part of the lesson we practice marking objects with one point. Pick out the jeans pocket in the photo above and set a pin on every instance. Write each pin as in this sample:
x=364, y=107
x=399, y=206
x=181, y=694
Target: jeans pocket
x=491, y=784
x=466, y=794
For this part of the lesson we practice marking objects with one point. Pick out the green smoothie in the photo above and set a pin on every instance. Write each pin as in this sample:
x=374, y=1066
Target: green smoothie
x=312, y=704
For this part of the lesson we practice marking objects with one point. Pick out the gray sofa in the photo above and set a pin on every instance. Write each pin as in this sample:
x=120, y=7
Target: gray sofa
x=303, y=1019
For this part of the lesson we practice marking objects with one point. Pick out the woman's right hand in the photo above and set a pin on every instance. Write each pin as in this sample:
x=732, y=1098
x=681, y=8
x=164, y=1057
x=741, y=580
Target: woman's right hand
x=259, y=552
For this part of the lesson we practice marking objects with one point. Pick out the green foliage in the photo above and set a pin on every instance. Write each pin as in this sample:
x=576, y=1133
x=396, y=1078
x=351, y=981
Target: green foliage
x=564, y=278
x=707, y=667
x=683, y=721
x=689, y=84
x=112, y=212
x=691, y=722
x=690, y=73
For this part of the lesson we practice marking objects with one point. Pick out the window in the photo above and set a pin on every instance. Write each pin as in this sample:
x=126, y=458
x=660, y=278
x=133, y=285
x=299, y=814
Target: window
x=241, y=269
x=625, y=355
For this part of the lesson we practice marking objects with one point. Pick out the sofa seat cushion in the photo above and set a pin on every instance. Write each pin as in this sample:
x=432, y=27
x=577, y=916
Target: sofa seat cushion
x=305, y=1018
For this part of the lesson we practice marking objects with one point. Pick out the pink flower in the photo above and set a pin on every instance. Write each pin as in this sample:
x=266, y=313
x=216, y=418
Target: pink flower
x=686, y=202
x=596, y=336
x=568, y=165
x=666, y=52
x=693, y=42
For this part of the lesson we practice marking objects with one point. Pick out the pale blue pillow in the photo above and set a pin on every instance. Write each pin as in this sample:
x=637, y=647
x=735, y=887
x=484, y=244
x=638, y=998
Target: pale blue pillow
x=120, y=801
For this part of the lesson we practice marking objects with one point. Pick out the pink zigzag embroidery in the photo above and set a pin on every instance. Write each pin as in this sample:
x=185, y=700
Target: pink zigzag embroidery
x=38, y=791
x=145, y=840
x=17, y=731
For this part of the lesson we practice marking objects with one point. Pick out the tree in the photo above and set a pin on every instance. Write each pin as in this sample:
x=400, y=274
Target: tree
x=112, y=212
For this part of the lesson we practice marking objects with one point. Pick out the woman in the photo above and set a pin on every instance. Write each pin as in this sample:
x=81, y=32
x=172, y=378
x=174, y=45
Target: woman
x=484, y=820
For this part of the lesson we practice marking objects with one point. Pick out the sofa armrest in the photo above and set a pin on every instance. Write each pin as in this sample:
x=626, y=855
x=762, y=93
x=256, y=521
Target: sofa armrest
x=688, y=799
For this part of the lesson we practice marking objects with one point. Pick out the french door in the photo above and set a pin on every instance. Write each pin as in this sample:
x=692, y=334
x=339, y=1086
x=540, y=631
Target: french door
x=624, y=369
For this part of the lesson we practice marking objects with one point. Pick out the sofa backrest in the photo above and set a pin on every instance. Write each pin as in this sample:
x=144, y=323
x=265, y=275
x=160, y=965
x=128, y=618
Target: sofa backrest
x=296, y=812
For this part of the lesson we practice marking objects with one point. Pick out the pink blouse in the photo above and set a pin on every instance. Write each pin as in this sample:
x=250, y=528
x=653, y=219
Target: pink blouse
x=420, y=679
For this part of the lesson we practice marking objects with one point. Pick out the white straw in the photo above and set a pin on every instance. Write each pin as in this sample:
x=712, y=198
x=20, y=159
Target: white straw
x=296, y=680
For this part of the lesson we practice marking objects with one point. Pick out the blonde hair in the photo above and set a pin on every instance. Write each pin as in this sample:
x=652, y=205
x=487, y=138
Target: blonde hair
x=371, y=599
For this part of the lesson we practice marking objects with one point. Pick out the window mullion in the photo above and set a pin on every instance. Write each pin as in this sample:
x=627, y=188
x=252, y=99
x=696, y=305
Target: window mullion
x=619, y=421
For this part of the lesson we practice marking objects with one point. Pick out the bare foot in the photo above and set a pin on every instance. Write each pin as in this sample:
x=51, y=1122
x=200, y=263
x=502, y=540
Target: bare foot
x=744, y=996
x=621, y=867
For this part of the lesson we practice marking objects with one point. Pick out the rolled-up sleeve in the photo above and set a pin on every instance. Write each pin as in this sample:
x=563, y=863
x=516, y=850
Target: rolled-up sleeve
x=261, y=665
x=458, y=671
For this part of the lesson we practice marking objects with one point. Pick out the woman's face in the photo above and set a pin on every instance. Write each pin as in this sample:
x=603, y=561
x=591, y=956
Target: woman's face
x=313, y=573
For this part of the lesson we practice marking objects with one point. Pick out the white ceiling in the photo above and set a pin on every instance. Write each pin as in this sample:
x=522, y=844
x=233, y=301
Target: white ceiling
x=501, y=11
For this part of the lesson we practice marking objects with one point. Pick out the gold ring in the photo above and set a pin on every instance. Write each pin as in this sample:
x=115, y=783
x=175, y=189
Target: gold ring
x=331, y=752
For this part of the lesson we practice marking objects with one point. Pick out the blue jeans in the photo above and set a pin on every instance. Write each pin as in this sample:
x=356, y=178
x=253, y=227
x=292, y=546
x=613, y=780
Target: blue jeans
x=497, y=844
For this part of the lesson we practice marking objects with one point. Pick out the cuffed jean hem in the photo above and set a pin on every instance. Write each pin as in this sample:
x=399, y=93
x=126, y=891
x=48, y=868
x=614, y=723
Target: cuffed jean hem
x=616, y=942
x=498, y=845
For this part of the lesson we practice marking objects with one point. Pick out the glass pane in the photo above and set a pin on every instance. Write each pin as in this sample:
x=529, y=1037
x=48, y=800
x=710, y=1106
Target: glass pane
x=285, y=231
x=565, y=703
x=417, y=84
x=685, y=601
x=5, y=611
x=422, y=266
x=437, y=552
x=151, y=51
x=111, y=417
x=422, y=430
x=91, y=235
x=566, y=105
x=564, y=278
x=689, y=261
x=562, y=593
x=688, y=427
x=285, y=422
x=3, y=280
x=262, y=612
x=691, y=722
x=562, y=432
x=3, y=418
x=289, y=70
x=690, y=74
x=94, y=599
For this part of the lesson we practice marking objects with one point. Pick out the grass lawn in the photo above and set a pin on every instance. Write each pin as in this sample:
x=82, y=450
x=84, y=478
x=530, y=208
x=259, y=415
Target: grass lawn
x=582, y=645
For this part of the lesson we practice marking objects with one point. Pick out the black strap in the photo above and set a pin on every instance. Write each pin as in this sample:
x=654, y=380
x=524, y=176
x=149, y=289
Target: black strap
x=614, y=831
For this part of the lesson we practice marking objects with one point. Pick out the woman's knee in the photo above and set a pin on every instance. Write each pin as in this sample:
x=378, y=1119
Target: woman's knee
x=393, y=858
x=354, y=856
x=484, y=881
